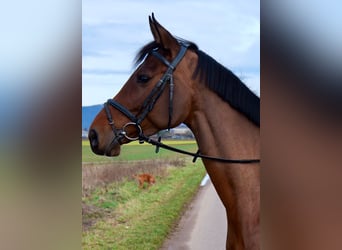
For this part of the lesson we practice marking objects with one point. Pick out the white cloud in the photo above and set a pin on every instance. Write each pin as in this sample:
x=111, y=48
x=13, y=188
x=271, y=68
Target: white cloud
x=97, y=88
x=252, y=81
x=113, y=31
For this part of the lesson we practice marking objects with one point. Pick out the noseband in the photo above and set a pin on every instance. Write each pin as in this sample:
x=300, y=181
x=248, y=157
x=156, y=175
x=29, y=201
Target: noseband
x=148, y=104
x=150, y=101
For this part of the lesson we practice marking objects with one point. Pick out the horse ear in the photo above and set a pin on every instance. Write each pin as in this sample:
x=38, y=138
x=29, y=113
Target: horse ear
x=161, y=35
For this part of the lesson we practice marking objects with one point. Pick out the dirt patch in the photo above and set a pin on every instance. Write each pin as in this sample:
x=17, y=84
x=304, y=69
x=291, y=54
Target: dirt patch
x=90, y=214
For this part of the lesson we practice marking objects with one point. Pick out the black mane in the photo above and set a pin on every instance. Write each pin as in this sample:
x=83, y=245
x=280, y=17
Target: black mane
x=228, y=86
x=219, y=79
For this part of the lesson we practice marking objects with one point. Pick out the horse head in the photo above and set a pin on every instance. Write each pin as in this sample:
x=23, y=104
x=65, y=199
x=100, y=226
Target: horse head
x=157, y=96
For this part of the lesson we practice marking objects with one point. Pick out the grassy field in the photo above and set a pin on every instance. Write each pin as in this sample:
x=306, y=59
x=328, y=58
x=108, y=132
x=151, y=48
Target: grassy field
x=116, y=214
x=135, y=151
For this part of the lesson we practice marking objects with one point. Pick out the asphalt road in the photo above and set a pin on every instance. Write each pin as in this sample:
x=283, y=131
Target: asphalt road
x=203, y=226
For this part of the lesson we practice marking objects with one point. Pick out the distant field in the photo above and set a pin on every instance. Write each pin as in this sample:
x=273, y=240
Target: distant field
x=135, y=151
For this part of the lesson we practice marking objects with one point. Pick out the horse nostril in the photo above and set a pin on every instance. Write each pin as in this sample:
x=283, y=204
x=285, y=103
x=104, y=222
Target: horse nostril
x=93, y=138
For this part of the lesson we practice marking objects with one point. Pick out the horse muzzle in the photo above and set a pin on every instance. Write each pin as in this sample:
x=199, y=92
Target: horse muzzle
x=111, y=149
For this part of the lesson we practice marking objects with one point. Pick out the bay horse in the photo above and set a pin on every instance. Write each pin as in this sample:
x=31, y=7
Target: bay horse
x=175, y=82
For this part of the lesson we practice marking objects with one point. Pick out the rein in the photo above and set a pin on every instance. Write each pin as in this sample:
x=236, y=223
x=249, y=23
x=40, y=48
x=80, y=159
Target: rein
x=148, y=104
x=159, y=144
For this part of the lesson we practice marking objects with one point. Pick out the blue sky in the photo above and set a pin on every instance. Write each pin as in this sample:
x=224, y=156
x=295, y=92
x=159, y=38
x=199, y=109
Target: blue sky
x=113, y=31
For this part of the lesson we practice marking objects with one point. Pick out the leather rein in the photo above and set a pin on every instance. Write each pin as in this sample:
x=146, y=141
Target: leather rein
x=147, y=106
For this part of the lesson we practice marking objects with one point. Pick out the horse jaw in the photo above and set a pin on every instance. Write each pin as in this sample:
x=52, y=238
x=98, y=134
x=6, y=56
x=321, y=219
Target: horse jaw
x=113, y=149
x=114, y=152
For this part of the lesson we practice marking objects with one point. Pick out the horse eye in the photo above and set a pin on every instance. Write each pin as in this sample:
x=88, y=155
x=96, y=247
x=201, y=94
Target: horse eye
x=143, y=78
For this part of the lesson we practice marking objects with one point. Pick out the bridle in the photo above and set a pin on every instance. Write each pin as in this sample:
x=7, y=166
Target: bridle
x=151, y=99
x=147, y=106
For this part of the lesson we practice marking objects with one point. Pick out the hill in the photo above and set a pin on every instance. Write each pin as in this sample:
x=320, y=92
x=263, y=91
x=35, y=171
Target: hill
x=88, y=115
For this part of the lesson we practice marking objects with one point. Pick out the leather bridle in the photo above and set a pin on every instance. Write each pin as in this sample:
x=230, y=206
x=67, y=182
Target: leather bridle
x=151, y=99
x=147, y=106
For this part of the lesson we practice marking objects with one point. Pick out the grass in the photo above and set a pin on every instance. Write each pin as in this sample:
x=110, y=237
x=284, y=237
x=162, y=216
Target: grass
x=135, y=151
x=131, y=218
x=116, y=214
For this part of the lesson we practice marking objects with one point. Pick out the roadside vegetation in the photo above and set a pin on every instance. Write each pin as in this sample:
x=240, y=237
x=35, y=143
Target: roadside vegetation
x=117, y=214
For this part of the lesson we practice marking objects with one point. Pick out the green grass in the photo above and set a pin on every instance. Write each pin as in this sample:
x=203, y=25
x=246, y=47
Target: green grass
x=135, y=151
x=134, y=218
x=122, y=216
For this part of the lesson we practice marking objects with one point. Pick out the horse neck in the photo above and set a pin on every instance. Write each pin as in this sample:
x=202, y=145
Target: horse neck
x=222, y=131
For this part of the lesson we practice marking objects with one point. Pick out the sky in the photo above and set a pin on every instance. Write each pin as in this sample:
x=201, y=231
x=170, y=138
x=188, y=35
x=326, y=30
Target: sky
x=113, y=32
